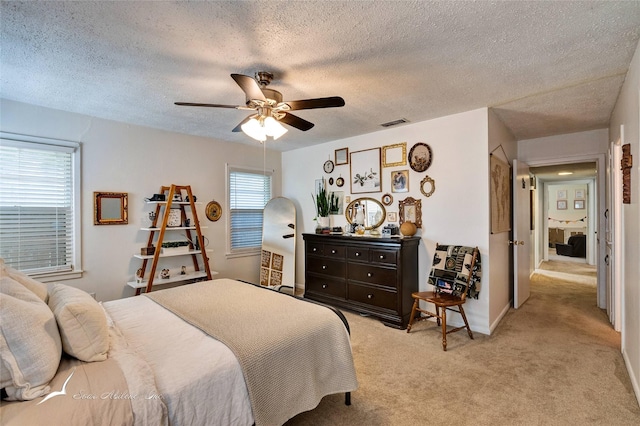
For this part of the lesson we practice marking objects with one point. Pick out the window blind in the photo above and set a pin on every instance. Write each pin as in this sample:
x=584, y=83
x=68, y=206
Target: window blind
x=36, y=206
x=248, y=194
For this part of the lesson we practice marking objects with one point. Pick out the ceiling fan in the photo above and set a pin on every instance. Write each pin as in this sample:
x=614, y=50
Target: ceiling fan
x=270, y=109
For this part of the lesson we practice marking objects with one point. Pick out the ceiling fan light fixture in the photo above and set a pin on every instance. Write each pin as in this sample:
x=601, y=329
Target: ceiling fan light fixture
x=255, y=130
x=273, y=128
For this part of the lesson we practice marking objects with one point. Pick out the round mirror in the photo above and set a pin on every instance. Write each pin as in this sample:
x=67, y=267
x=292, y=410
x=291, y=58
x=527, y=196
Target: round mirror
x=367, y=211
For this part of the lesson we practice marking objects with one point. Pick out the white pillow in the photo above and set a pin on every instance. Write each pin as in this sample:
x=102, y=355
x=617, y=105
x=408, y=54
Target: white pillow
x=82, y=323
x=38, y=288
x=30, y=347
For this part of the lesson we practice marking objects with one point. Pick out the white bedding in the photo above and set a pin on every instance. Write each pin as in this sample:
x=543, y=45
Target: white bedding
x=198, y=377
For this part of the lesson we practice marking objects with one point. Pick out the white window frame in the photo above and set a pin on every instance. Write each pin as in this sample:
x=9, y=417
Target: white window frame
x=253, y=251
x=26, y=141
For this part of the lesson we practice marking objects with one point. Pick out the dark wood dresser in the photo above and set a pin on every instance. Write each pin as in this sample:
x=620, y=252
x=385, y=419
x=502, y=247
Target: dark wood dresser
x=369, y=275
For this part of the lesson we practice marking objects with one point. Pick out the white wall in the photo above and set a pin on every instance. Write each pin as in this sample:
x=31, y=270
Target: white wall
x=457, y=212
x=569, y=218
x=500, y=138
x=627, y=113
x=118, y=157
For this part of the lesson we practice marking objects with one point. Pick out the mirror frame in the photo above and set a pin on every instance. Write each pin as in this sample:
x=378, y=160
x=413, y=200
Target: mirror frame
x=98, y=218
x=408, y=202
x=350, y=206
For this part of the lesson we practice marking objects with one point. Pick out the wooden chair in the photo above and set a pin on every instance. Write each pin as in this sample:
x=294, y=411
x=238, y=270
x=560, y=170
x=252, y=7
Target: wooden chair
x=455, y=274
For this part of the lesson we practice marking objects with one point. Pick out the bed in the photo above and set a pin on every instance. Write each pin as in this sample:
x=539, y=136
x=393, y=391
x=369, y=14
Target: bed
x=218, y=352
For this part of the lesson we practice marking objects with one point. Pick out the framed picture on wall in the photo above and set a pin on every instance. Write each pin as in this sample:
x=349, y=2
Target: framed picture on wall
x=562, y=194
x=400, y=181
x=365, y=171
x=578, y=204
x=579, y=194
x=561, y=204
x=342, y=156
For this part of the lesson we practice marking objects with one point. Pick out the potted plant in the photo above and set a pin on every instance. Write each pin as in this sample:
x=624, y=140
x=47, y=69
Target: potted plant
x=325, y=203
x=175, y=247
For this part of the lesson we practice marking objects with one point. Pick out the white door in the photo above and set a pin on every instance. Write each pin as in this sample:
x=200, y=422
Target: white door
x=521, y=241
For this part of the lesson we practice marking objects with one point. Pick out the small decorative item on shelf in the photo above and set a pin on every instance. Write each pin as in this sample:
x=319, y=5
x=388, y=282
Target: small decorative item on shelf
x=183, y=270
x=408, y=229
x=139, y=275
x=148, y=251
x=174, y=218
x=187, y=223
x=175, y=247
x=165, y=274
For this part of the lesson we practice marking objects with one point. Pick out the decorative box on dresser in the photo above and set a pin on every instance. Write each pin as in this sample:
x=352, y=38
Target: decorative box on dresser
x=369, y=275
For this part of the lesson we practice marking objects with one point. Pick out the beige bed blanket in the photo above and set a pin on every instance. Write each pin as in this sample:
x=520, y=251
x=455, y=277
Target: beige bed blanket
x=292, y=352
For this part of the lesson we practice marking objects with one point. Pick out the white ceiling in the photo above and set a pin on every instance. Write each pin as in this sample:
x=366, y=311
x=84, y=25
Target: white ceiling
x=545, y=67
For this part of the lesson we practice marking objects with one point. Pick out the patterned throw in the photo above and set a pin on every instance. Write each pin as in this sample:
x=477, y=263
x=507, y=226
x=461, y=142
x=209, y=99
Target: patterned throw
x=292, y=352
x=450, y=270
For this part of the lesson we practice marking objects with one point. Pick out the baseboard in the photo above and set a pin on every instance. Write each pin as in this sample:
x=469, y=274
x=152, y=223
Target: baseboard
x=632, y=376
x=495, y=324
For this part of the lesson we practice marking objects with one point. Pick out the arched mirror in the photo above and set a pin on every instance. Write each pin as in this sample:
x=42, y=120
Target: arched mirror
x=277, y=263
x=373, y=212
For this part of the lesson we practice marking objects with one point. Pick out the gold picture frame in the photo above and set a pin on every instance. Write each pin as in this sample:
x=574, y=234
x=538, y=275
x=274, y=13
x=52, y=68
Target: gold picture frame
x=411, y=211
x=394, y=155
x=341, y=156
x=110, y=208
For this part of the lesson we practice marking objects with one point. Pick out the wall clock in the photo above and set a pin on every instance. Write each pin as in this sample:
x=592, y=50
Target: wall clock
x=328, y=166
x=213, y=211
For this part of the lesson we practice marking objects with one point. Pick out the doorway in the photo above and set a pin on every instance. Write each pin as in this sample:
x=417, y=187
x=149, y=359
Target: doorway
x=566, y=202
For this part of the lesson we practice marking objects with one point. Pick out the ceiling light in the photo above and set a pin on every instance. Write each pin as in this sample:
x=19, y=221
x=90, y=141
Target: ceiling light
x=260, y=128
x=565, y=173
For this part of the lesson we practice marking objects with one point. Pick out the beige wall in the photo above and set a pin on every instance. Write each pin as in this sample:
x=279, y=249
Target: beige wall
x=500, y=138
x=627, y=113
x=118, y=157
x=457, y=212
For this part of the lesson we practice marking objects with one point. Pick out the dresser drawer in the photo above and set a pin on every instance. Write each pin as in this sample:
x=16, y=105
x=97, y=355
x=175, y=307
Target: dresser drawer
x=373, y=296
x=385, y=257
x=334, y=251
x=326, y=286
x=323, y=265
x=372, y=274
x=358, y=253
x=314, y=248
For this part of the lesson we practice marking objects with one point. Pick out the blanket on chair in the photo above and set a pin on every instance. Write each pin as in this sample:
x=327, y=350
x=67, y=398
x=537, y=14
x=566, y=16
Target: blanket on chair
x=292, y=352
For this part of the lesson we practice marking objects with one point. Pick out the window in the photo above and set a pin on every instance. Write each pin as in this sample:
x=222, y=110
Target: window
x=39, y=206
x=249, y=192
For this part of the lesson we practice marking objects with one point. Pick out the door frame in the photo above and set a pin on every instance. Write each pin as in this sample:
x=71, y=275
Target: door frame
x=600, y=207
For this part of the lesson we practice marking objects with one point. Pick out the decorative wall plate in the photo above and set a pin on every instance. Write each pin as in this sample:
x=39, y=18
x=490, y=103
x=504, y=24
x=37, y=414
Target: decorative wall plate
x=420, y=157
x=213, y=211
x=339, y=181
x=328, y=166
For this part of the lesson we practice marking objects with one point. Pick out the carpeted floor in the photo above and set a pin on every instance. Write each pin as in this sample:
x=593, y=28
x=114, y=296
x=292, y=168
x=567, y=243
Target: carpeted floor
x=554, y=361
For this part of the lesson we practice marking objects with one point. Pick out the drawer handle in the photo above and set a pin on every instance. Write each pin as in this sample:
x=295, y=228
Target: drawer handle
x=369, y=274
x=315, y=249
x=324, y=286
x=357, y=253
x=324, y=266
x=382, y=256
x=369, y=296
x=333, y=252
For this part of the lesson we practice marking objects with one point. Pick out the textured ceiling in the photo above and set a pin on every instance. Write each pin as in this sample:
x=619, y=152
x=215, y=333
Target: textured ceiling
x=545, y=67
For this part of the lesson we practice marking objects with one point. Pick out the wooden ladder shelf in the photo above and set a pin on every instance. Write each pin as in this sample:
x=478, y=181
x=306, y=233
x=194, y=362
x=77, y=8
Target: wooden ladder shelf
x=162, y=212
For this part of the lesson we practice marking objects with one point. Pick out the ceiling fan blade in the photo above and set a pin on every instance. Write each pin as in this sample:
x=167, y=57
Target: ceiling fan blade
x=331, y=102
x=296, y=122
x=249, y=86
x=238, y=127
x=206, y=105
